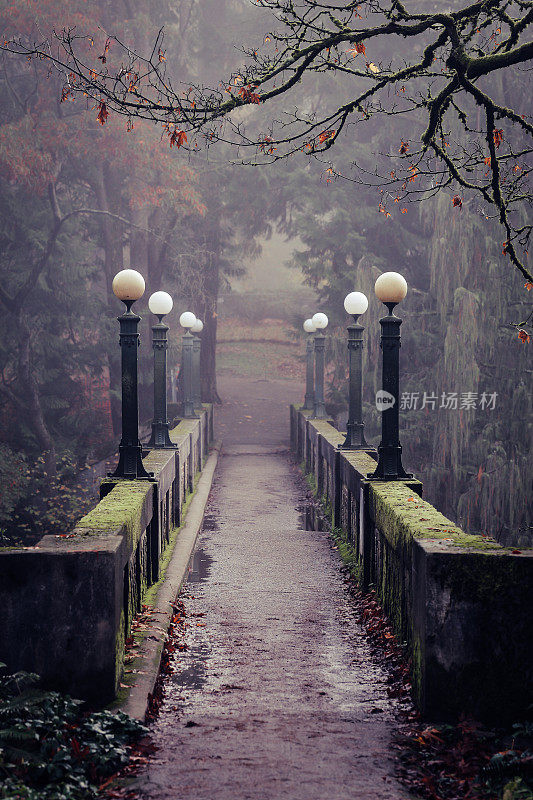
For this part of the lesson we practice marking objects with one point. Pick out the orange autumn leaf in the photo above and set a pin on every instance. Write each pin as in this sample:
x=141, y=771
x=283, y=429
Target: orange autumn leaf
x=358, y=48
x=457, y=201
x=177, y=138
x=524, y=336
x=497, y=135
x=528, y=285
x=404, y=147
x=103, y=113
x=322, y=137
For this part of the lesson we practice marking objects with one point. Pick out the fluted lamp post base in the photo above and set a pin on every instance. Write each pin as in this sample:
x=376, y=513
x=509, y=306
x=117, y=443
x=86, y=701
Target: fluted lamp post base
x=160, y=438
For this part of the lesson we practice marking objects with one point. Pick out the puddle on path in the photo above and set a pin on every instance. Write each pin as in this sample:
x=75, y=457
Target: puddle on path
x=210, y=522
x=193, y=676
x=312, y=518
x=199, y=566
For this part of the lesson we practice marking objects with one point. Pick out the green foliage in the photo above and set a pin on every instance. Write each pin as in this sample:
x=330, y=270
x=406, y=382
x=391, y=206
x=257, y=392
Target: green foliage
x=51, y=748
x=33, y=505
x=12, y=480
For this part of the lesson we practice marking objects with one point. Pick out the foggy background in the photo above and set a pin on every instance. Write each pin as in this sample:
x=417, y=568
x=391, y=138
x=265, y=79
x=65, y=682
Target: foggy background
x=253, y=251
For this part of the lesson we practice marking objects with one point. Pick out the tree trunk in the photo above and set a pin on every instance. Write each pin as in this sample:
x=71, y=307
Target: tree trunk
x=209, y=302
x=113, y=262
x=29, y=383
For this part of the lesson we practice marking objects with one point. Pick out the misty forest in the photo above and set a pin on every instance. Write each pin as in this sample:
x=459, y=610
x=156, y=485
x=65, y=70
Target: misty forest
x=259, y=160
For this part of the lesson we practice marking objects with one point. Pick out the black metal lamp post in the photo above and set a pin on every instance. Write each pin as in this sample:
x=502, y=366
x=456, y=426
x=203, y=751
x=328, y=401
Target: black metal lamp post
x=128, y=286
x=196, y=329
x=356, y=303
x=391, y=288
x=160, y=304
x=309, y=399
x=320, y=321
x=187, y=321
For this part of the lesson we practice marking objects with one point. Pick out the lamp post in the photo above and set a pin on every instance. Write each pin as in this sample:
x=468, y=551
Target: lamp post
x=196, y=353
x=320, y=321
x=391, y=288
x=160, y=304
x=128, y=286
x=355, y=303
x=187, y=321
x=309, y=399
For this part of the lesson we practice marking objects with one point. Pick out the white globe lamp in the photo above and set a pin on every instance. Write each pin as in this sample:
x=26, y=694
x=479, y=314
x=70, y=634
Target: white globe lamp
x=320, y=321
x=391, y=288
x=128, y=285
x=187, y=319
x=355, y=303
x=160, y=304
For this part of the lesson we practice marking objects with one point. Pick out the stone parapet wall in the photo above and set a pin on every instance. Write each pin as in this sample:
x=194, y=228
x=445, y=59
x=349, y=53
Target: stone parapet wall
x=461, y=603
x=68, y=602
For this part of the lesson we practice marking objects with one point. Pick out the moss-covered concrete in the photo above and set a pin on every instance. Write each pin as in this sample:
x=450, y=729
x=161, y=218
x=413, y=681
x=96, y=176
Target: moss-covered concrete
x=325, y=429
x=124, y=509
x=403, y=516
x=167, y=555
x=461, y=602
x=68, y=602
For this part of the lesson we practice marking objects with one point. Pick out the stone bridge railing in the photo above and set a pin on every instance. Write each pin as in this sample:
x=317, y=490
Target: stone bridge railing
x=68, y=603
x=461, y=603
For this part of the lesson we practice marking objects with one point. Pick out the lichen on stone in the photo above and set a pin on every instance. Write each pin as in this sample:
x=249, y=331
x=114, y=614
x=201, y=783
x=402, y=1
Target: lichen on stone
x=121, y=509
x=402, y=516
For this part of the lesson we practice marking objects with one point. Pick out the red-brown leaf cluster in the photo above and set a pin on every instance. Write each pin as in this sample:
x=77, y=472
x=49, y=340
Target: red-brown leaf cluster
x=358, y=48
x=174, y=641
x=177, y=138
x=248, y=94
x=497, y=135
x=325, y=135
x=103, y=113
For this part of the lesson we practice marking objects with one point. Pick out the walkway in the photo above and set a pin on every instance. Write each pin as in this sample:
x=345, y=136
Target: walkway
x=277, y=696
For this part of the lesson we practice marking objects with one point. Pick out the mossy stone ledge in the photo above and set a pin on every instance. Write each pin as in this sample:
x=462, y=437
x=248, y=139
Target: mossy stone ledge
x=69, y=601
x=460, y=602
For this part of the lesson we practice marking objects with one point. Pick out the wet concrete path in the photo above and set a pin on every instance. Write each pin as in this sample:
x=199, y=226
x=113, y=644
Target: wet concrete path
x=277, y=695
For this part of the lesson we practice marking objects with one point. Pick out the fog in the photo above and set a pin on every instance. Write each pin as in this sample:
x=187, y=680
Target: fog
x=252, y=251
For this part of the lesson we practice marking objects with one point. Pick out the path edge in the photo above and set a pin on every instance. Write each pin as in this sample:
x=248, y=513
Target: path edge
x=148, y=661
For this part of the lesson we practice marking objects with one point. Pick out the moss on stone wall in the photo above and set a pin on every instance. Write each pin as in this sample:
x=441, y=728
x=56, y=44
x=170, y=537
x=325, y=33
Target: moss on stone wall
x=151, y=592
x=120, y=510
x=402, y=516
x=459, y=601
x=120, y=641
